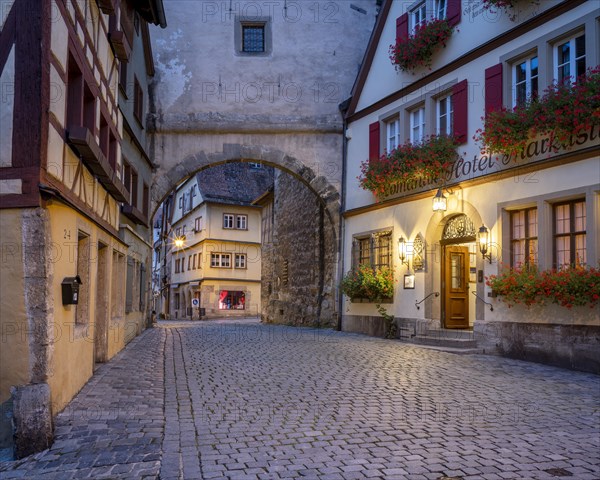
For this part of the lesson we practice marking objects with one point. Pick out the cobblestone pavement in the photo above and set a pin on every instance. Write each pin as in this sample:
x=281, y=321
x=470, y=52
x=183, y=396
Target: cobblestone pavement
x=240, y=400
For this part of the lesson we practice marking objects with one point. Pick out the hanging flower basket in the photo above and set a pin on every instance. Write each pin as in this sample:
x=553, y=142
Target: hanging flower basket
x=562, y=112
x=569, y=287
x=416, y=51
x=427, y=161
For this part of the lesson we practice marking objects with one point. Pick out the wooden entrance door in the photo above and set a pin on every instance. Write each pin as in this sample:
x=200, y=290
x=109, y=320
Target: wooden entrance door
x=456, y=287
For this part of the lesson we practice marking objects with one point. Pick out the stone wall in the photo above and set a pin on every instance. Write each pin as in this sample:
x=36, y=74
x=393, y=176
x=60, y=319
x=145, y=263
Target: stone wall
x=298, y=266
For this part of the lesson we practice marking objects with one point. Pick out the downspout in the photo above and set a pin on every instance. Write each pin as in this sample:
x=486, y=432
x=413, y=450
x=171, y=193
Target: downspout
x=342, y=229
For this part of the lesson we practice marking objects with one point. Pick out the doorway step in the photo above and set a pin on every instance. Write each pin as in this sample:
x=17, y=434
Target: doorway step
x=425, y=334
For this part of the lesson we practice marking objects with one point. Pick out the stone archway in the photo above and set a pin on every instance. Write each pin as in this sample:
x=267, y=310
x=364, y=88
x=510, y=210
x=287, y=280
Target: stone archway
x=166, y=179
x=297, y=300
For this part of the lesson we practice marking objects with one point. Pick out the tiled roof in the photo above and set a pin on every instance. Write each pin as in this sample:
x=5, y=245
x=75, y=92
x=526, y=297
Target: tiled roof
x=234, y=183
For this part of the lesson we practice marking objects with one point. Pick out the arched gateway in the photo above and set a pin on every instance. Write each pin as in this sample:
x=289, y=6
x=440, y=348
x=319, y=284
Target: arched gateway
x=298, y=280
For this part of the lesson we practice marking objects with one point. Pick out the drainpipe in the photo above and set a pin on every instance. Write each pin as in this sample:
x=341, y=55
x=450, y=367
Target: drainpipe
x=340, y=265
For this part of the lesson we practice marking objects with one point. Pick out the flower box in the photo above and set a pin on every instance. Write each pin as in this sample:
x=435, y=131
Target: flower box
x=415, y=51
x=366, y=300
x=563, y=112
x=428, y=160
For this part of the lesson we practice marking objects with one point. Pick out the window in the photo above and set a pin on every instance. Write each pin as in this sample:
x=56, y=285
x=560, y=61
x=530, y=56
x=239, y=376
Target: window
x=220, y=260
x=138, y=101
x=569, y=234
x=382, y=250
x=417, y=16
x=81, y=103
x=123, y=78
x=523, y=237
x=134, y=188
x=364, y=251
x=189, y=263
x=241, y=222
x=525, y=81
x=198, y=224
x=393, y=134
x=253, y=38
x=417, y=125
x=240, y=260
x=146, y=200
x=374, y=250
x=177, y=265
x=228, y=220
x=569, y=59
x=178, y=232
x=252, y=35
x=440, y=9
x=194, y=262
x=445, y=116
x=232, y=300
x=127, y=175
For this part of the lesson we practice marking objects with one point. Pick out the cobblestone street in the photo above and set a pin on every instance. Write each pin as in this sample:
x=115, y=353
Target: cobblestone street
x=241, y=400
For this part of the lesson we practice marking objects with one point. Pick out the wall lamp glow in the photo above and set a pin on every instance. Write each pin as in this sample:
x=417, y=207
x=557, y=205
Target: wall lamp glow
x=179, y=242
x=483, y=239
x=440, y=202
x=402, y=252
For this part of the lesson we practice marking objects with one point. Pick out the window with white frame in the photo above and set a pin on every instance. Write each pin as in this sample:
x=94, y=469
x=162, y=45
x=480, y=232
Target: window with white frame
x=525, y=81
x=524, y=237
x=198, y=224
x=417, y=125
x=417, y=16
x=228, y=220
x=569, y=234
x=241, y=222
x=393, y=134
x=569, y=59
x=440, y=9
x=445, y=116
x=240, y=260
x=220, y=260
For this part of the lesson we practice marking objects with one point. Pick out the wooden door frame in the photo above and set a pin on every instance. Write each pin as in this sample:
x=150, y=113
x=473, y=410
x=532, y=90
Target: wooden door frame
x=454, y=242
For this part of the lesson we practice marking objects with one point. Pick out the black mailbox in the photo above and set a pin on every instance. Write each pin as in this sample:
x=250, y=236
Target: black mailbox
x=70, y=290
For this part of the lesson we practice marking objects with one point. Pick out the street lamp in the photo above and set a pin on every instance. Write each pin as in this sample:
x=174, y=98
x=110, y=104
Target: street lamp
x=179, y=241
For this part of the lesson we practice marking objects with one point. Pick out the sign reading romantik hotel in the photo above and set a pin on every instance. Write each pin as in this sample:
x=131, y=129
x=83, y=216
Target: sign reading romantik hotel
x=538, y=150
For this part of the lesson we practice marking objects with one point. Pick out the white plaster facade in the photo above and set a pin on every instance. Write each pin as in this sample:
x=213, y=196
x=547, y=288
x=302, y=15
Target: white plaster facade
x=484, y=188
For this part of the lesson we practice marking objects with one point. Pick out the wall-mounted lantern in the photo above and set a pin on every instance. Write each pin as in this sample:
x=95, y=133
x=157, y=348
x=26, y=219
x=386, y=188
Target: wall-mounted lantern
x=483, y=239
x=440, y=202
x=402, y=252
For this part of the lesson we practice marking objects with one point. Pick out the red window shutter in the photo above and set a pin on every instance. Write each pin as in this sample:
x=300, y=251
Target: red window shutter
x=460, y=101
x=402, y=27
x=374, y=140
x=493, y=88
x=453, y=12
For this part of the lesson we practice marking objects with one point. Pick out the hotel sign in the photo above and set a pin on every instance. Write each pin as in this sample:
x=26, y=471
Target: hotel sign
x=538, y=150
